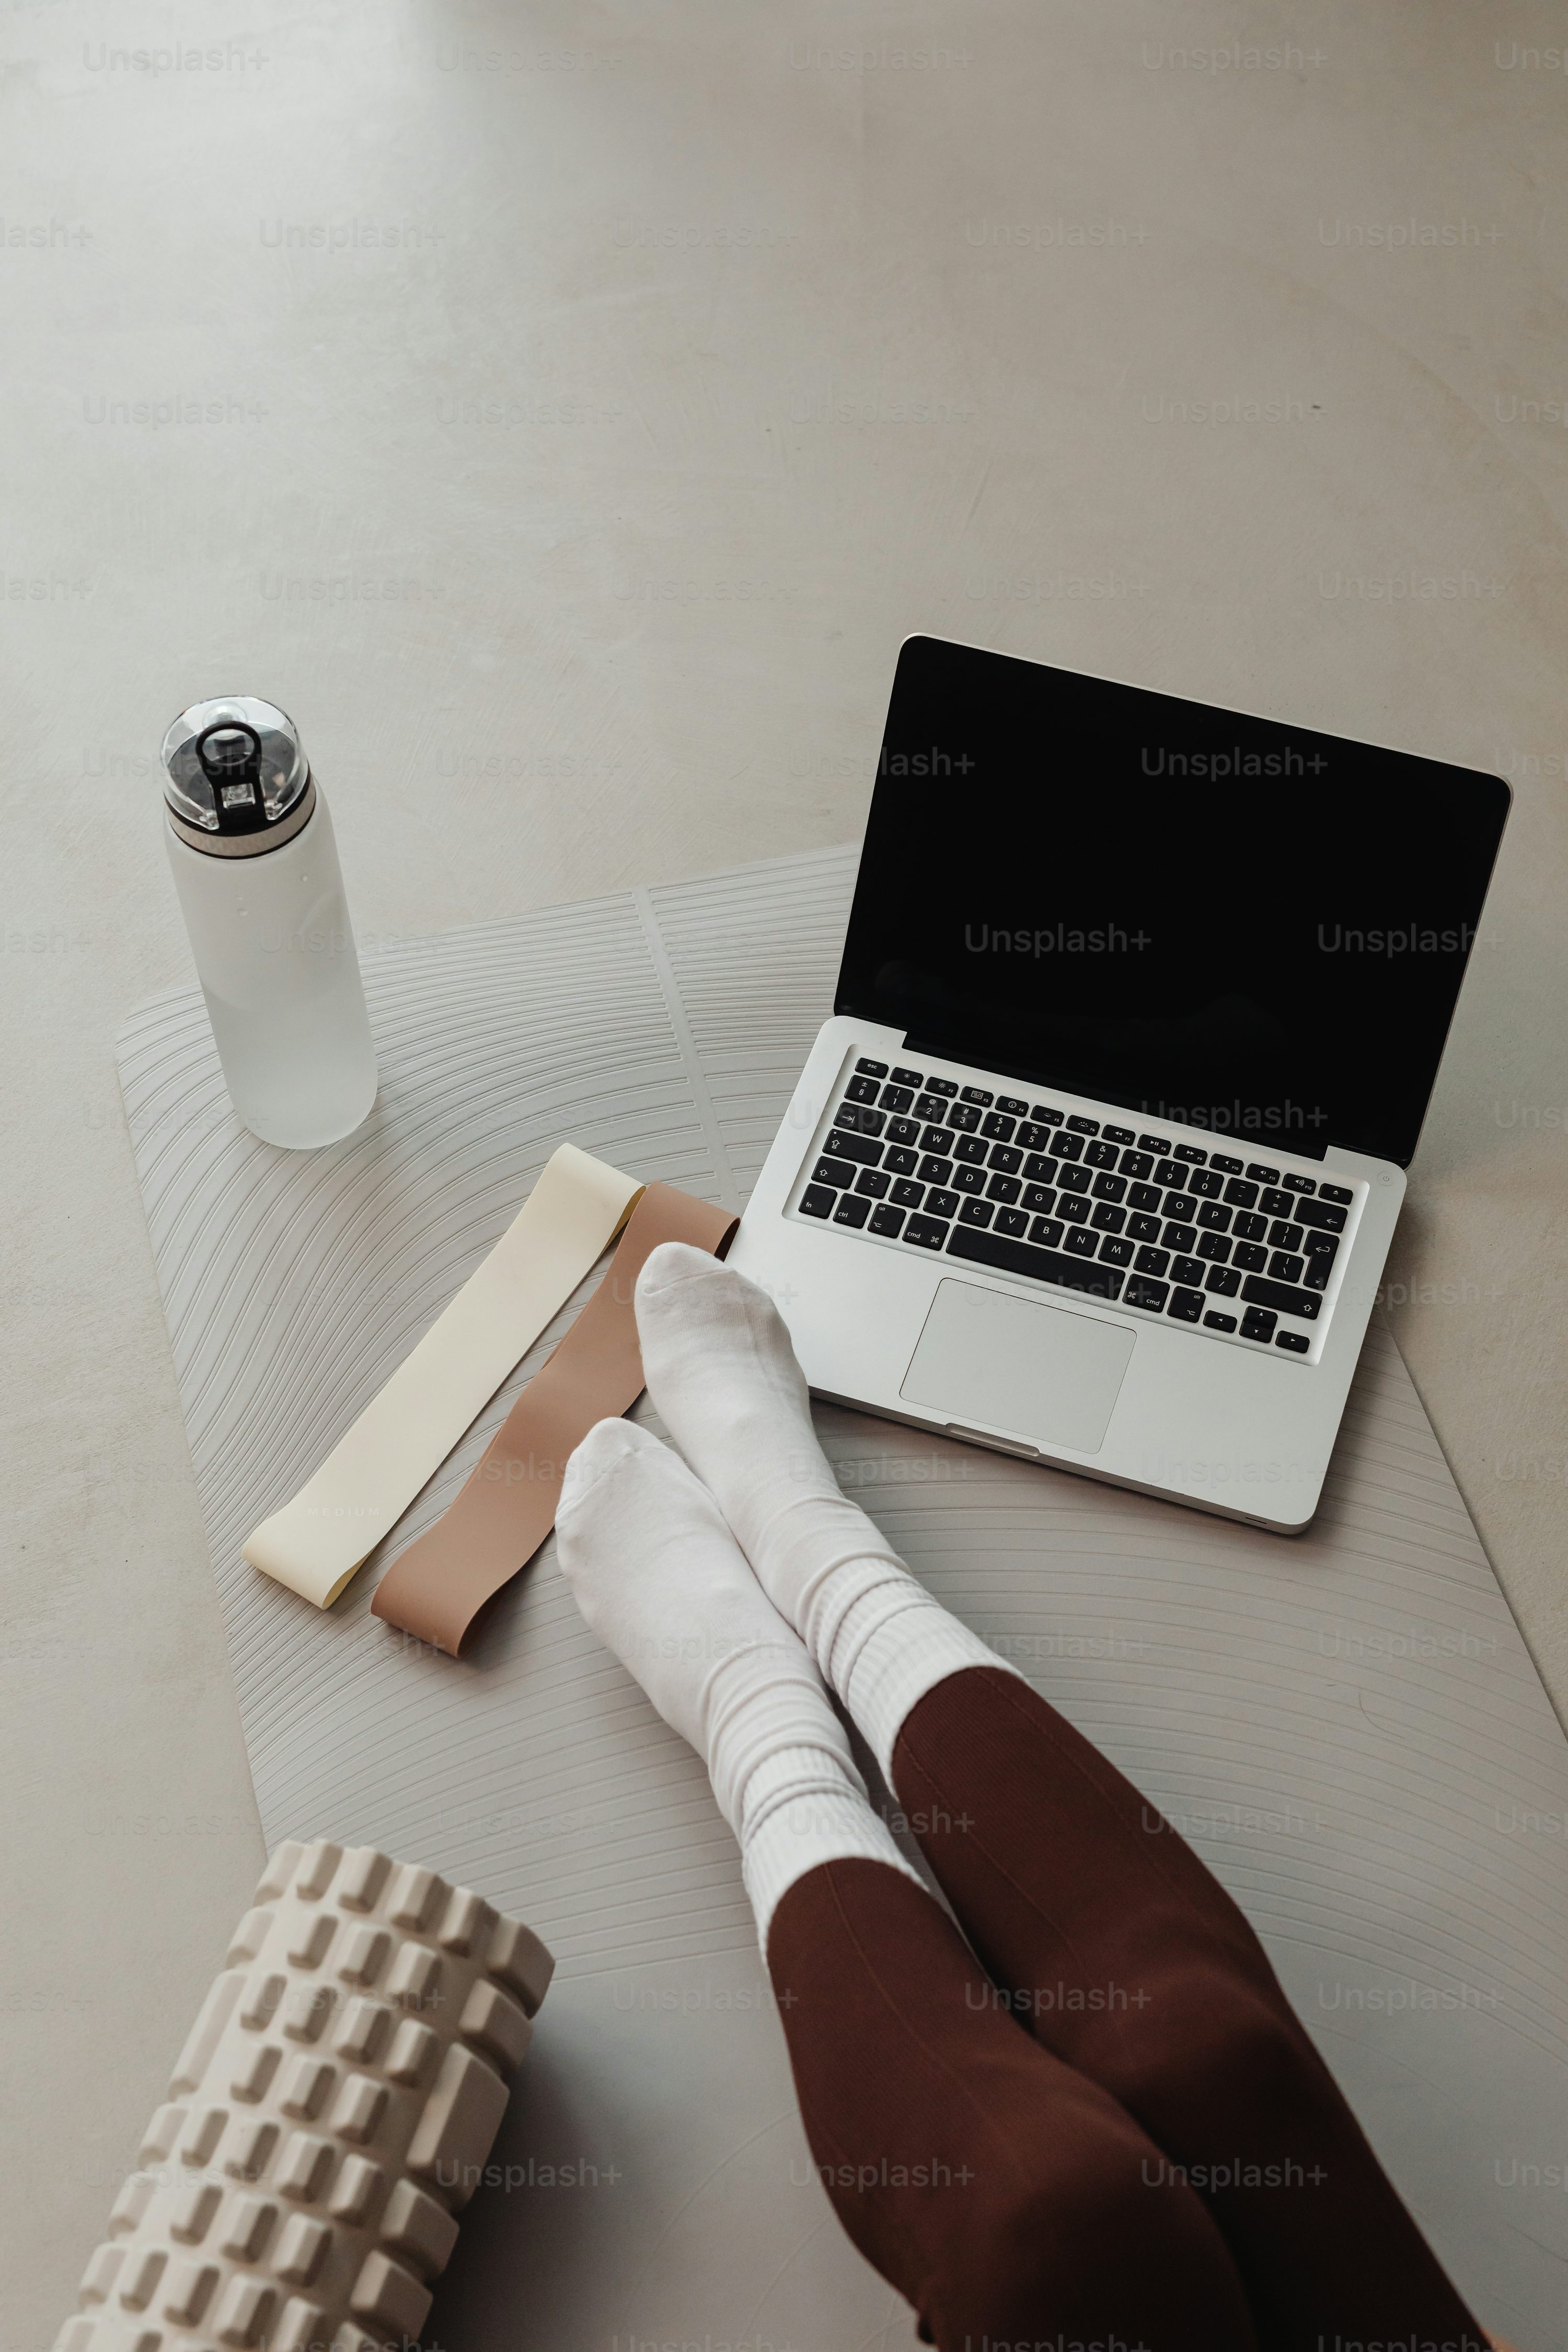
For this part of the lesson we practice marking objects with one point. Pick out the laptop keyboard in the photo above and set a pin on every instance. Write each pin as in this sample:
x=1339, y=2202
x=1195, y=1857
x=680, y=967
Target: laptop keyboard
x=1194, y=1236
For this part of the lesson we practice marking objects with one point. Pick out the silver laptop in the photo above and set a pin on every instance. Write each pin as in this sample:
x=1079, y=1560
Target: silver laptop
x=1142, y=1003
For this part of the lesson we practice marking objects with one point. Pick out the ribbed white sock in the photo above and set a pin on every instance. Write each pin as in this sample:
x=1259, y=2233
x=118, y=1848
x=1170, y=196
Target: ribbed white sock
x=659, y=1578
x=723, y=1377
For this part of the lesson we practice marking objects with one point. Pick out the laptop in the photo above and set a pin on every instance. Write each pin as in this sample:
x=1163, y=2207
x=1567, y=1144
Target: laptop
x=1142, y=1003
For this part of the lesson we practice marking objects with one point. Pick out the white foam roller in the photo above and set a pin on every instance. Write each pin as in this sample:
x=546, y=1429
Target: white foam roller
x=327, y=2119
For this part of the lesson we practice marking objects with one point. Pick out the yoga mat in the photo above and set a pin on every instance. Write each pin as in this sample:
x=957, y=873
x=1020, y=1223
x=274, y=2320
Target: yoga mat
x=1346, y=1725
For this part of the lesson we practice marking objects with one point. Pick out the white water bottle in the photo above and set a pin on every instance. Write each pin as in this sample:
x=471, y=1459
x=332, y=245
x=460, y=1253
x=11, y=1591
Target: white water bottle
x=261, y=890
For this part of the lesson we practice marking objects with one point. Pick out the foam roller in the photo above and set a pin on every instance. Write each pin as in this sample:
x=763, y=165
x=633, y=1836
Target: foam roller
x=329, y=2117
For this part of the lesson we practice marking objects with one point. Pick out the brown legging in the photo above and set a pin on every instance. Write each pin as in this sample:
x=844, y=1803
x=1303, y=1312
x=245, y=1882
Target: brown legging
x=1103, y=2124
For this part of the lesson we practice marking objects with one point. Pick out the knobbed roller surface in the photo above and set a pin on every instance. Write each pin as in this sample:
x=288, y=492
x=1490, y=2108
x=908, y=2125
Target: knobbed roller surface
x=328, y=2118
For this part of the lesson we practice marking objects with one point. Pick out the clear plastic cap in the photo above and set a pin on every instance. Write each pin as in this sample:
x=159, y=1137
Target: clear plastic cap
x=234, y=766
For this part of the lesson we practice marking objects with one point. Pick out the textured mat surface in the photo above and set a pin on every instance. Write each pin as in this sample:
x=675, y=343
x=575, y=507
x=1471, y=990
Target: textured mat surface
x=1347, y=1725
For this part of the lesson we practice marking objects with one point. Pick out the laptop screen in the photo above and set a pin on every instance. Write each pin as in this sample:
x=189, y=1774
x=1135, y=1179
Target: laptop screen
x=1194, y=915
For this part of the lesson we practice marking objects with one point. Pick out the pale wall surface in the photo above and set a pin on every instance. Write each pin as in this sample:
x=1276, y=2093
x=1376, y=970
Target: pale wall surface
x=577, y=522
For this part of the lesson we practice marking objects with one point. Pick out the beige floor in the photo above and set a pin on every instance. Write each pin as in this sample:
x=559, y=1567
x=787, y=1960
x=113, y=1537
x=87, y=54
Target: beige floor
x=564, y=412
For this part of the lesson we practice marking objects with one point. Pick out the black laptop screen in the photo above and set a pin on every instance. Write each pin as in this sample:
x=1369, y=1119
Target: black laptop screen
x=1197, y=915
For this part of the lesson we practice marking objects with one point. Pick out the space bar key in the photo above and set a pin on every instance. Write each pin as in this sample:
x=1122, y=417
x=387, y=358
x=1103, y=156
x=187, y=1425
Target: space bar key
x=1040, y=1265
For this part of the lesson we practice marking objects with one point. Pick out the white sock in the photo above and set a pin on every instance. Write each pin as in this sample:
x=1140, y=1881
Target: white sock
x=659, y=1578
x=723, y=1377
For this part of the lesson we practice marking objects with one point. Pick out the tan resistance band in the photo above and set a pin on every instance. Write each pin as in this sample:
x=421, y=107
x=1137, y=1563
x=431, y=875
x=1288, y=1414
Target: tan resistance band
x=436, y=1587
x=314, y=1544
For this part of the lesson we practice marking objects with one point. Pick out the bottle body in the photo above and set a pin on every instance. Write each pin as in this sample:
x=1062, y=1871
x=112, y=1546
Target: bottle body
x=275, y=955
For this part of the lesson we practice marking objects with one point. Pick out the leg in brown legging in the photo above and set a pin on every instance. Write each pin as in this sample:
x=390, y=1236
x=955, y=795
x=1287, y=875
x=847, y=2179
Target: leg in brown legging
x=1127, y=1961
x=1011, y=2200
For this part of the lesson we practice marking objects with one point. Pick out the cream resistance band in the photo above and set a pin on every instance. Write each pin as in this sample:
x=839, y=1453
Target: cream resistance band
x=314, y=1543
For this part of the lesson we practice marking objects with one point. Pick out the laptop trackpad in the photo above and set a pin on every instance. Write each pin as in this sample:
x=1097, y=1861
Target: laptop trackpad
x=1038, y=1371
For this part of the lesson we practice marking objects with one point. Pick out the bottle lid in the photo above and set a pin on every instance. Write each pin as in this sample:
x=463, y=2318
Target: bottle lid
x=236, y=775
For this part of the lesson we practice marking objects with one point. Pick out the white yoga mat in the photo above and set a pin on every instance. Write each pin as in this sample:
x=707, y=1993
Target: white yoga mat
x=1347, y=1725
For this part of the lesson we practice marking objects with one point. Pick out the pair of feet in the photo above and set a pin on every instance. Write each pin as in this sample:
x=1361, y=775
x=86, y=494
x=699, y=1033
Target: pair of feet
x=734, y=1580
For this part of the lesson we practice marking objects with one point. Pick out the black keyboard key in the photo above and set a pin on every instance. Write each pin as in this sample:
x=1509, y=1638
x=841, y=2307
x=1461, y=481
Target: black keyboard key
x=1108, y=1188
x=1296, y=1342
x=969, y=1180
x=1144, y=1228
x=908, y=1195
x=1182, y=1206
x=888, y=1222
x=857, y=1119
x=1066, y=1147
x=1277, y=1204
x=930, y=1106
x=871, y=1069
x=1251, y=1256
x=1258, y=1325
x=1321, y=1214
x=1107, y=1218
x=1003, y=1188
x=1190, y=1270
x=1049, y=1232
x=1084, y=1126
x=896, y=1098
x=1073, y=1208
x=1213, y=1322
x=837, y=1144
x=873, y=1183
x=900, y=1162
x=997, y=1130
x=1214, y=1248
x=1153, y=1261
x=1206, y=1182
x=1263, y=1175
x=835, y=1173
x=1322, y=1246
x=969, y=1148
x=937, y=1139
x=1158, y=1144
x=926, y=1233
x=1284, y=1298
x=1222, y=1281
x=851, y=1211
x=1317, y=1272
x=1013, y=1105
x=1115, y=1252
x=1043, y=1171
x=904, y=1131
x=817, y=1201
x=933, y=1170
x=1178, y=1236
x=1214, y=1217
x=1336, y=1192
x=1008, y=1157
x=1282, y=1237
x=963, y=1117
x=908, y=1078
x=978, y=1096
x=1144, y=1196
x=1189, y=1152
x=1216, y=1160
x=1071, y=1179
x=861, y=1090
x=1185, y=1307
x=1136, y=1164
x=942, y=1087
x=1012, y=1221
x=1039, y=1199
x=1250, y=1228
x=941, y=1203
x=1082, y=1241
x=1301, y=1183
x=1044, y=1116
x=1169, y=1172
x=1031, y=1136
x=1119, y=1135
x=1150, y=1295
x=1101, y=1155
x=1043, y=1265
x=1240, y=1194
x=976, y=1212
